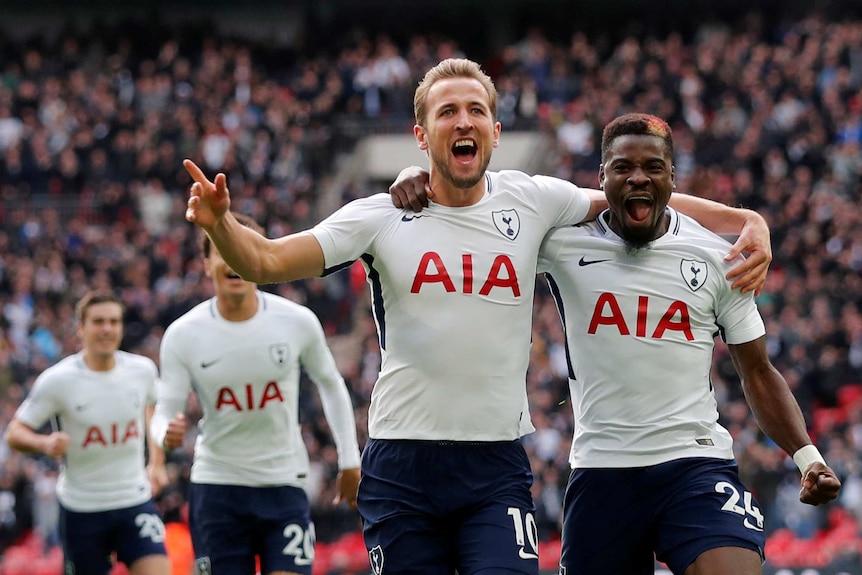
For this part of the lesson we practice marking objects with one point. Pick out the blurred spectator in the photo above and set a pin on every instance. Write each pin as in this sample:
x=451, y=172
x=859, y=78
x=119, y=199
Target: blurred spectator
x=93, y=129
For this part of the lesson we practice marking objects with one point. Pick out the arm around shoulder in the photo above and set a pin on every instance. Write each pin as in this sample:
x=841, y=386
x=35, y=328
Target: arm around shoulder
x=751, y=229
x=598, y=203
x=714, y=216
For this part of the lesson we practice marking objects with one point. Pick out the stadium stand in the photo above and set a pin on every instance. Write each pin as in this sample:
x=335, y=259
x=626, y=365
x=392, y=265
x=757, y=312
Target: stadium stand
x=766, y=114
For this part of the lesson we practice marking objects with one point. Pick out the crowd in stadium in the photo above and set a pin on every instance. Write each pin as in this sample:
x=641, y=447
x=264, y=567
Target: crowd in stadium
x=93, y=131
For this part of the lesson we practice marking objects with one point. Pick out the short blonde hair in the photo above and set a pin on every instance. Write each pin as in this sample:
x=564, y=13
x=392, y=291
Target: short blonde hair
x=92, y=298
x=452, y=68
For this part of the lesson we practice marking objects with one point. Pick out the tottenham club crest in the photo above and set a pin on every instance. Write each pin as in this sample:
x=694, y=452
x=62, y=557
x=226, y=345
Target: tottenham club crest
x=694, y=273
x=278, y=353
x=375, y=557
x=203, y=566
x=508, y=223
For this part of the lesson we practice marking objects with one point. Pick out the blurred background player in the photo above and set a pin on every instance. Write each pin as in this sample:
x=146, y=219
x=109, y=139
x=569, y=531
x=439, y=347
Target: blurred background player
x=99, y=401
x=242, y=352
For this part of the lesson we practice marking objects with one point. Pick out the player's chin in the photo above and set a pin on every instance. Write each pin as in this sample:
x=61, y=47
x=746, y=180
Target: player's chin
x=638, y=234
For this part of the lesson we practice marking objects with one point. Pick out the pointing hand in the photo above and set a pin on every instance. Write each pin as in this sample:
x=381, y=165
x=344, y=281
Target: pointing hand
x=208, y=201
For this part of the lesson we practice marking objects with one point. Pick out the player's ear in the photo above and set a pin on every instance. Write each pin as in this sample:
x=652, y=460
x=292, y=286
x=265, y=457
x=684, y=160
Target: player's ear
x=421, y=137
x=207, y=271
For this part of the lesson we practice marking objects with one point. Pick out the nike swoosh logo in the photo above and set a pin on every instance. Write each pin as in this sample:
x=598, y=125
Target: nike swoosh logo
x=206, y=364
x=582, y=262
x=406, y=218
x=526, y=555
x=746, y=523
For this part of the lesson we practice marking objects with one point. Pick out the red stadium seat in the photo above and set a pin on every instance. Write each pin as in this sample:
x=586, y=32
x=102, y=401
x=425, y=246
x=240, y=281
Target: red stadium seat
x=850, y=396
x=349, y=553
x=825, y=419
x=46, y=566
x=549, y=555
x=779, y=547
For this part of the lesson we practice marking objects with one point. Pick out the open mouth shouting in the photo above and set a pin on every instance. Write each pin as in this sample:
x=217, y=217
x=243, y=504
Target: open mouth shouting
x=464, y=150
x=639, y=207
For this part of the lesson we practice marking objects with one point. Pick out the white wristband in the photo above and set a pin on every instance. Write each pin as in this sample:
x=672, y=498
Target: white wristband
x=805, y=456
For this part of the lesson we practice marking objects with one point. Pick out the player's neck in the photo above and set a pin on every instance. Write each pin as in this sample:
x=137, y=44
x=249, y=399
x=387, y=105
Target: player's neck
x=237, y=307
x=98, y=361
x=639, y=242
x=447, y=194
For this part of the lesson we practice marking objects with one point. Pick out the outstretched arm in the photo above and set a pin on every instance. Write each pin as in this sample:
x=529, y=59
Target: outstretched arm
x=780, y=418
x=251, y=255
x=753, y=238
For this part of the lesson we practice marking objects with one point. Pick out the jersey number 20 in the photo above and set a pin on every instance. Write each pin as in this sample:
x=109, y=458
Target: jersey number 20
x=300, y=543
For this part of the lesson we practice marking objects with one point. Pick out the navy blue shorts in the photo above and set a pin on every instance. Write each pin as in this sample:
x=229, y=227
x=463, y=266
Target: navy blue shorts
x=89, y=538
x=231, y=525
x=431, y=507
x=614, y=520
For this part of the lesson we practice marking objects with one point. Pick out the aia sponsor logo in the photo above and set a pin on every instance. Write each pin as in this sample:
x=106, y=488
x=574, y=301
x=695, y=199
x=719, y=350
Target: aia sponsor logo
x=609, y=312
x=113, y=434
x=433, y=270
x=248, y=398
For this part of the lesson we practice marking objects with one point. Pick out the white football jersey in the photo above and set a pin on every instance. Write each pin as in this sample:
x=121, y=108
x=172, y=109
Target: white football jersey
x=246, y=377
x=452, y=293
x=640, y=331
x=103, y=413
